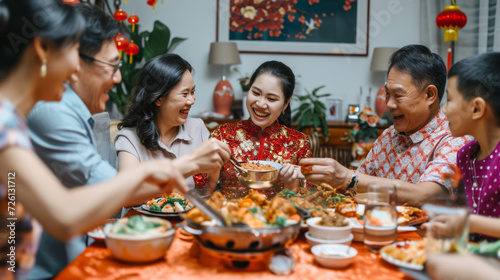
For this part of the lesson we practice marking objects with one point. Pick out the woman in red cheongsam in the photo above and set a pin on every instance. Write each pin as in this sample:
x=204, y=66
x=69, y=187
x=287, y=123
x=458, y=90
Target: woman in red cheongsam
x=266, y=135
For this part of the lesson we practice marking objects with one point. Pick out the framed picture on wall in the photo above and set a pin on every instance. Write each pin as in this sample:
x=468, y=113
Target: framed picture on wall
x=333, y=109
x=283, y=27
x=352, y=112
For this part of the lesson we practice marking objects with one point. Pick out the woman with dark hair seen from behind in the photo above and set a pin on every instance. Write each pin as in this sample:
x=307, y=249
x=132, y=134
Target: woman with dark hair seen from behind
x=267, y=134
x=39, y=51
x=156, y=125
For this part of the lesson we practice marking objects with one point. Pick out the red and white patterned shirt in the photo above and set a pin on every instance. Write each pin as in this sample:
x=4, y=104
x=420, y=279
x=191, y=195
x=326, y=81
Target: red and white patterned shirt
x=421, y=157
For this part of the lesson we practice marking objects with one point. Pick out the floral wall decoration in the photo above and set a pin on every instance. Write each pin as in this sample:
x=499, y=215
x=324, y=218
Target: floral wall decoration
x=300, y=21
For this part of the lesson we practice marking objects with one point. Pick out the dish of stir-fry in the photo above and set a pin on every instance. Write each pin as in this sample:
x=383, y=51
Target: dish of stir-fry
x=171, y=203
x=254, y=210
x=321, y=197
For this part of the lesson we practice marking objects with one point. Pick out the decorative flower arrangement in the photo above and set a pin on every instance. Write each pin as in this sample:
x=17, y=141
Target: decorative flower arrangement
x=244, y=83
x=244, y=80
x=365, y=128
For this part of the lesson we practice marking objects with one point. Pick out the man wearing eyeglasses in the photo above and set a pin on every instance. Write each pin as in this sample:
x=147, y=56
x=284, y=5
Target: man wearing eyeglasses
x=62, y=131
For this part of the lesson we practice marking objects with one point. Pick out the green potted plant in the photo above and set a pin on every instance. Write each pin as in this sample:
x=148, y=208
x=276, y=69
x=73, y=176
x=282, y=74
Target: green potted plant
x=150, y=44
x=312, y=111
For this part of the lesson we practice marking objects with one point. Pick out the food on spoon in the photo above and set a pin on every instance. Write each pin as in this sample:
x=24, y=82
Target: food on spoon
x=306, y=169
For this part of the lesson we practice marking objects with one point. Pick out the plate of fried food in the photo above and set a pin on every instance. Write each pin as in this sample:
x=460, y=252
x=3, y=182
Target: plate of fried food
x=171, y=205
x=407, y=215
x=321, y=199
x=407, y=254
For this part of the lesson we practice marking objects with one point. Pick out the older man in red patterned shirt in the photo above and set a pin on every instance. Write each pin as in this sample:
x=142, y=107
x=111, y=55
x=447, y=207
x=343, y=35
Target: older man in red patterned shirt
x=418, y=148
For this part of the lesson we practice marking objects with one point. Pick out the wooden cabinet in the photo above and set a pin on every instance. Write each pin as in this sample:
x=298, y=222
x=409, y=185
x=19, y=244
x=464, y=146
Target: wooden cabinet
x=337, y=130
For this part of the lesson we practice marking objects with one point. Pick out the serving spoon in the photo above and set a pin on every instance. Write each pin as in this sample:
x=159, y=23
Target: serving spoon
x=243, y=172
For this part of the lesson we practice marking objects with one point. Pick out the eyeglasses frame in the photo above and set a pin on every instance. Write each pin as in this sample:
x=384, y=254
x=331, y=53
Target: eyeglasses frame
x=115, y=66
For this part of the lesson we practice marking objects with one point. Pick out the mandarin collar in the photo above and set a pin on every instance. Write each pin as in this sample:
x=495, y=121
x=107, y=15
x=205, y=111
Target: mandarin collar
x=253, y=129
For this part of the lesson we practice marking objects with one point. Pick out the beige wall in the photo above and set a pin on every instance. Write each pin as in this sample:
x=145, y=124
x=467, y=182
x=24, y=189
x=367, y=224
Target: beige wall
x=392, y=23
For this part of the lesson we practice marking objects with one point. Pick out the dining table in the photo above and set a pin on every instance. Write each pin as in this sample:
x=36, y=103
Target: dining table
x=182, y=262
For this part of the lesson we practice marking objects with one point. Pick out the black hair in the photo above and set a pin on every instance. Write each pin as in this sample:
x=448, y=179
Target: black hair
x=158, y=77
x=287, y=79
x=100, y=28
x=23, y=20
x=479, y=76
x=425, y=68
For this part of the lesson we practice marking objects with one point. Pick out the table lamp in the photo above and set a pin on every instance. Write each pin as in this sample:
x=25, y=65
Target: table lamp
x=223, y=53
x=380, y=62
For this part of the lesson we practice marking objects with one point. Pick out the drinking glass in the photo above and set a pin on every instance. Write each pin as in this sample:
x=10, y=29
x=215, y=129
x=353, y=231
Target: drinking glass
x=380, y=217
x=448, y=228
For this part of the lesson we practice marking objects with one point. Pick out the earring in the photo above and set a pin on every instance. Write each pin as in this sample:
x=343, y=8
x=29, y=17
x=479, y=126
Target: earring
x=43, y=68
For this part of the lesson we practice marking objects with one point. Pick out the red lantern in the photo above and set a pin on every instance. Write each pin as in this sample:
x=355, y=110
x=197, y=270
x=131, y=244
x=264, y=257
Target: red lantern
x=152, y=3
x=71, y=2
x=133, y=19
x=132, y=50
x=451, y=20
x=120, y=15
x=121, y=43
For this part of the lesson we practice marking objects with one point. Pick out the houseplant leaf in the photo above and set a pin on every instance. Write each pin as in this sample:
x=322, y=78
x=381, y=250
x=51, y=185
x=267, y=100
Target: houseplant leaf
x=311, y=111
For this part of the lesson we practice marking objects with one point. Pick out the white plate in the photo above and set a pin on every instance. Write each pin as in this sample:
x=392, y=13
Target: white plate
x=144, y=209
x=97, y=234
x=397, y=262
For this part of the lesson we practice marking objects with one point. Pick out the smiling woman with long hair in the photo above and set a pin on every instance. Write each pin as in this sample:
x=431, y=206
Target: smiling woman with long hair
x=157, y=125
x=266, y=135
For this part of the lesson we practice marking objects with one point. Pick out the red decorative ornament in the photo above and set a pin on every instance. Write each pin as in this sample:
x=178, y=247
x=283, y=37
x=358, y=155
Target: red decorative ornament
x=132, y=50
x=133, y=19
x=152, y=3
x=451, y=19
x=71, y=2
x=121, y=43
x=120, y=15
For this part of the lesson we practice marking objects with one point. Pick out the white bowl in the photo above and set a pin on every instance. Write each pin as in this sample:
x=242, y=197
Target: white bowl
x=334, y=256
x=312, y=241
x=381, y=231
x=328, y=233
x=141, y=248
x=357, y=231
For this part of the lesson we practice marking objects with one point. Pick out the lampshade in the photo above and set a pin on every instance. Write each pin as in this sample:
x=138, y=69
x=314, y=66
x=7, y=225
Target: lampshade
x=224, y=53
x=380, y=58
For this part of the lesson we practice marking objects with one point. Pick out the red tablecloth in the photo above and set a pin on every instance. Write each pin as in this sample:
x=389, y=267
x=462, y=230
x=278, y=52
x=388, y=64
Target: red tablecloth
x=96, y=262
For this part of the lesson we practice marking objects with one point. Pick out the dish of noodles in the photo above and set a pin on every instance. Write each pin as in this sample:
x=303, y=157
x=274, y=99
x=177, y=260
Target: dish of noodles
x=257, y=166
x=253, y=210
